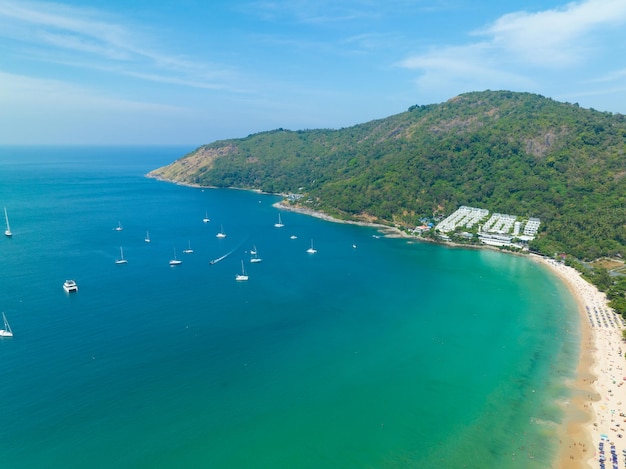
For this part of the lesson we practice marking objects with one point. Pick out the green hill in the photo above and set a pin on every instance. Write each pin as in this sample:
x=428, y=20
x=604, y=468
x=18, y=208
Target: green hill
x=508, y=152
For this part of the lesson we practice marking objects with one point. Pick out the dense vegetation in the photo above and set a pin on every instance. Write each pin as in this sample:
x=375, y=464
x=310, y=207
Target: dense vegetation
x=508, y=152
x=610, y=281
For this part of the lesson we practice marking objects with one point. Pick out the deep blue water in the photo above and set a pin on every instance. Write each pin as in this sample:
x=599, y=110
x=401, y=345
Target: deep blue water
x=390, y=354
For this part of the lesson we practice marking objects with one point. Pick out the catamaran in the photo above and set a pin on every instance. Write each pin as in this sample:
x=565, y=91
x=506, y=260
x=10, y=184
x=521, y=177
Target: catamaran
x=280, y=223
x=242, y=276
x=6, y=332
x=7, y=232
x=121, y=260
x=70, y=286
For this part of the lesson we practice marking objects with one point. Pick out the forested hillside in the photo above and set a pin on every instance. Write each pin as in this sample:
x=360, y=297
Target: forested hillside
x=508, y=152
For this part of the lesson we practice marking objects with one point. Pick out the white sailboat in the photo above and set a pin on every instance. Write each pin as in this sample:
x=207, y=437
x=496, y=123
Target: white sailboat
x=242, y=276
x=280, y=223
x=7, y=232
x=221, y=234
x=6, y=332
x=311, y=250
x=188, y=250
x=255, y=256
x=118, y=227
x=175, y=261
x=147, y=238
x=121, y=260
x=206, y=217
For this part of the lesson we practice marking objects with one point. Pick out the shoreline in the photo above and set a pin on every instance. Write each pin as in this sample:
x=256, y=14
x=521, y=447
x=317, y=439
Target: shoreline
x=595, y=414
x=576, y=445
x=596, y=410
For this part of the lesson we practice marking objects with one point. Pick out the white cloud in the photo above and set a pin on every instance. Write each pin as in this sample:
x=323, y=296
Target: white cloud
x=34, y=110
x=83, y=44
x=53, y=95
x=599, y=92
x=556, y=37
x=89, y=39
x=463, y=68
x=518, y=46
x=613, y=76
x=63, y=26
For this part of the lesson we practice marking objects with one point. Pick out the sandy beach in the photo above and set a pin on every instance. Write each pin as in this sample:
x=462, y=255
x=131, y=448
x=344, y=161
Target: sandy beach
x=593, y=434
x=595, y=426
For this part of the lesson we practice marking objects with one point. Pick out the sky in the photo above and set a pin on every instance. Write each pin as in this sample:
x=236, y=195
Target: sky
x=196, y=71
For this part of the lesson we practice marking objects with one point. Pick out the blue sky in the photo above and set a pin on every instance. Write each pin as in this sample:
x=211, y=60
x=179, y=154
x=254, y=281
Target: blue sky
x=195, y=71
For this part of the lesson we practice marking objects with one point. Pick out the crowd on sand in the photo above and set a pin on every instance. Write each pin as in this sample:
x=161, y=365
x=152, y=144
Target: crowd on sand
x=594, y=434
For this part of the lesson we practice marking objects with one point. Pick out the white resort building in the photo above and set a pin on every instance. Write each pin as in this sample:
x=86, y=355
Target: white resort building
x=463, y=217
x=499, y=230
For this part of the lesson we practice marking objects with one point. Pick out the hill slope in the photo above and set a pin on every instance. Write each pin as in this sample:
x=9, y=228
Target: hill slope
x=508, y=152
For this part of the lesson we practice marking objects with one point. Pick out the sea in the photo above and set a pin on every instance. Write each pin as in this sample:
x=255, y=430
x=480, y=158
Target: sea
x=373, y=352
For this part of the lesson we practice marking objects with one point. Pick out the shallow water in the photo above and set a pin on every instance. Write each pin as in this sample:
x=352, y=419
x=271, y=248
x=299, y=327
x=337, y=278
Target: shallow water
x=390, y=354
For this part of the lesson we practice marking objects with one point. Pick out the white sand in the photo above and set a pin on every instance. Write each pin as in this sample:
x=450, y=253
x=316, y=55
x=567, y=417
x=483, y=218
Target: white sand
x=601, y=383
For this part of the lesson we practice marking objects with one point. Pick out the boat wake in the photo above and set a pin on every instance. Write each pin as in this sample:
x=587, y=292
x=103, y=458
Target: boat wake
x=215, y=261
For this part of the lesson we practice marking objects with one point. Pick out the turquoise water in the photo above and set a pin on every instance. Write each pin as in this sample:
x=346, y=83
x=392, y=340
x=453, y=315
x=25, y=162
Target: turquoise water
x=391, y=354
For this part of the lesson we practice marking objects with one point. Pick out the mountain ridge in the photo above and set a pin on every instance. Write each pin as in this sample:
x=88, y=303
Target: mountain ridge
x=509, y=152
